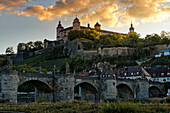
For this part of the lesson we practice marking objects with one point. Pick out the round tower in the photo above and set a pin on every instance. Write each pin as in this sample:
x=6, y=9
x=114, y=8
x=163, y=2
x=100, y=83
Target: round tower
x=76, y=23
x=97, y=26
x=59, y=29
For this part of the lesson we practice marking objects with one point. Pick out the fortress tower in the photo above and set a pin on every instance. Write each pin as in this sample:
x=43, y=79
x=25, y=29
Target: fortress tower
x=131, y=29
x=76, y=23
x=59, y=29
x=97, y=26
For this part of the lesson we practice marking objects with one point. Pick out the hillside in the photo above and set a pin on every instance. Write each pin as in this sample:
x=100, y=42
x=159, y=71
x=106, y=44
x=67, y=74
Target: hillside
x=47, y=61
x=42, y=61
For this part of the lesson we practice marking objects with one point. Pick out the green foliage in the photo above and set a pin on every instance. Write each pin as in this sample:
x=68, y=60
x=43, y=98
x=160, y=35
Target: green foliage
x=120, y=107
x=41, y=61
x=85, y=34
x=76, y=63
x=161, y=61
x=87, y=45
x=126, y=63
x=4, y=67
x=9, y=50
x=58, y=52
x=30, y=46
x=118, y=40
x=42, y=100
x=86, y=107
x=33, y=61
x=29, y=69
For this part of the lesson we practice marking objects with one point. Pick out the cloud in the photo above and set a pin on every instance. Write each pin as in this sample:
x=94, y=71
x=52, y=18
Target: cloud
x=111, y=12
x=11, y=4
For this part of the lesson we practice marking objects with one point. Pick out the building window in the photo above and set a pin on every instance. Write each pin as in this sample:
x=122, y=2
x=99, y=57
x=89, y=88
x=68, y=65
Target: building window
x=162, y=74
x=132, y=73
x=137, y=73
x=125, y=74
x=168, y=74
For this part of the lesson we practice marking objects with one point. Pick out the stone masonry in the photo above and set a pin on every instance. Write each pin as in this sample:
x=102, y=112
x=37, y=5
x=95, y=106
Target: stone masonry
x=66, y=87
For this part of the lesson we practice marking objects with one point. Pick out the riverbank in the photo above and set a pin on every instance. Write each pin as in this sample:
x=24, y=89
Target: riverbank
x=88, y=107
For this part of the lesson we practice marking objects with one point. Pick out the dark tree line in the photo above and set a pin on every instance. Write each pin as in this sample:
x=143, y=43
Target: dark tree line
x=30, y=46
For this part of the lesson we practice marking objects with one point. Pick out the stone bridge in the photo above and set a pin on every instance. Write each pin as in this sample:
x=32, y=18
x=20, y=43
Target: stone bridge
x=63, y=87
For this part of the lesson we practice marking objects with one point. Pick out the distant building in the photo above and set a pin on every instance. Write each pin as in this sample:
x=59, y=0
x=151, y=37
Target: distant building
x=131, y=29
x=159, y=74
x=62, y=32
x=163, y=53
x=131, y=73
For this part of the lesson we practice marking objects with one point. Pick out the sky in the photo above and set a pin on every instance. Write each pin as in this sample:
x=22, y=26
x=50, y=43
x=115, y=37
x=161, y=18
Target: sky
x=32, y=20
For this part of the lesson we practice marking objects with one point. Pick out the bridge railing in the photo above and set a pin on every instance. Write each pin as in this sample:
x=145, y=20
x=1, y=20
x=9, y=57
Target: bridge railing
x=8, y=72
x=40, y=75
x=94, y=76
x=34, y=75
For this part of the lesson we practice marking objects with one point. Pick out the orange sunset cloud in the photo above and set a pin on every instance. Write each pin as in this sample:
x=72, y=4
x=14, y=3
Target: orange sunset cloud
x=112, y=12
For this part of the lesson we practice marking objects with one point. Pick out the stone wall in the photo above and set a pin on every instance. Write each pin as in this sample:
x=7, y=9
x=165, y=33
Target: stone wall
x=108, y=89
x=116, y=51
x=158, y=48
x=21, y=56
x=64, y=88
x=74, y=46
x=8, y=86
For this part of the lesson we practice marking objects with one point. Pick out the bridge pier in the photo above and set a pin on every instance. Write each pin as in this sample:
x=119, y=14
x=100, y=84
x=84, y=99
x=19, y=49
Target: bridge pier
x=108, y=88
x=8, y=86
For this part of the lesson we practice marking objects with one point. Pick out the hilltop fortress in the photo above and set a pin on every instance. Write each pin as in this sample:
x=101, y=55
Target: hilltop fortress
x=76, y=46
x=62, y=32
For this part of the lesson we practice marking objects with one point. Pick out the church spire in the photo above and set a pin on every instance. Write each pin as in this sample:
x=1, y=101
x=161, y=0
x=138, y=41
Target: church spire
x=59, y=24
x=131, y=29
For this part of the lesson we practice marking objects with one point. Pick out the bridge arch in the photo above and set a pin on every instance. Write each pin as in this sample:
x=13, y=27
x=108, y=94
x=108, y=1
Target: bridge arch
x=85, y=91
x=40, y=85
x=155, y=91
x=41, y=90
x=124, y=91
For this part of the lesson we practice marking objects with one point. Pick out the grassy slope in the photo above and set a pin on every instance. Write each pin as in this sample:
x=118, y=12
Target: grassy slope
x=40, y=60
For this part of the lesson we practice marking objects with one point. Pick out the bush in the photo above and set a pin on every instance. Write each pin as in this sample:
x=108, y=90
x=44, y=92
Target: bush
x=120, y=107
x=42, y=100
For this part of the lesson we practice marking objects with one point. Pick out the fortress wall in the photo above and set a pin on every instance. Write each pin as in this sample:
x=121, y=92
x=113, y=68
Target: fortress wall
x=114, y=51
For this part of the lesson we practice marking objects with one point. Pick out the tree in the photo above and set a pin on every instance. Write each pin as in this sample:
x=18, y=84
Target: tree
x=38, y=45
x=21, y=47
x=30, y=46
x=132, y=38
x=86, y=34
x=9, y=50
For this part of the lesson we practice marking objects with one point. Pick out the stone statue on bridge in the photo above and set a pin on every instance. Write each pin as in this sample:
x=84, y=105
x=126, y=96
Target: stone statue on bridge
x=67, y=68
